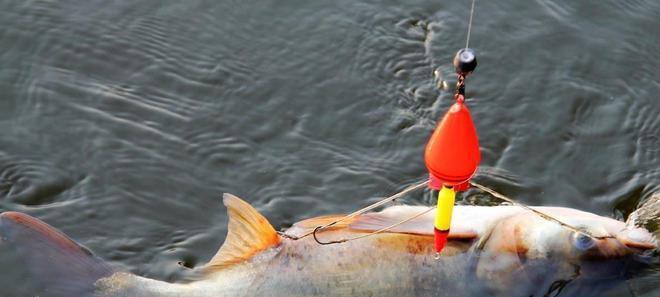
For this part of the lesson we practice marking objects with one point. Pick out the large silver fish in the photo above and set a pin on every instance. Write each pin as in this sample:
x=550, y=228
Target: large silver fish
x=501, y=250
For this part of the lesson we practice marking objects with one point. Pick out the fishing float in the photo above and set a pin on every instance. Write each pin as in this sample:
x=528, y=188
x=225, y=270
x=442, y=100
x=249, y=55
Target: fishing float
x=452, y=152
x=451, y=157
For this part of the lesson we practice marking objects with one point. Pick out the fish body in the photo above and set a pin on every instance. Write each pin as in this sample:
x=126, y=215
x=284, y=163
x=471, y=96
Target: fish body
x=501, y=250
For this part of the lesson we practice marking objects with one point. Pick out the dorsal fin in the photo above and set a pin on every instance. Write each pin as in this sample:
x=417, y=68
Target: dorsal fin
x=248, y=233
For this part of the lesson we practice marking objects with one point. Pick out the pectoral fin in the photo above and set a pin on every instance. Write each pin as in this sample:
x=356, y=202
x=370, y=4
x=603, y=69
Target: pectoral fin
x=422, y=225
x=62, y=267
x=248, y=233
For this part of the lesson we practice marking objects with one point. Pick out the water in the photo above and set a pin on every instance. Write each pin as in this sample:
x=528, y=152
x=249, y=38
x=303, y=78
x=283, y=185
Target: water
x=123, y=121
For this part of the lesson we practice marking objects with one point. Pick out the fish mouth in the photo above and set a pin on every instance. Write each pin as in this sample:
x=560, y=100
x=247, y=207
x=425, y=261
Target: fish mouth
x=637, y=239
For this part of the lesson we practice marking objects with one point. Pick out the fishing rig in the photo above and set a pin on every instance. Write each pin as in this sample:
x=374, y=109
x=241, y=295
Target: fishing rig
x=451, y=157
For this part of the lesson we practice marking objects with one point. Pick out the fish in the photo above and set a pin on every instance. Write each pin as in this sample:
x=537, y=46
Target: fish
x=494, y=250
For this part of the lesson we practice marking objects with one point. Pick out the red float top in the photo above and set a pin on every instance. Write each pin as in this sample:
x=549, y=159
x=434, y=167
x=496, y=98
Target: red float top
x=452, y=153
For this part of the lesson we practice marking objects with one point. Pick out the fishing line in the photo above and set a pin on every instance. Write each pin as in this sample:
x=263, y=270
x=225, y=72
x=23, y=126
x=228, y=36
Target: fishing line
x=414, y=187
x=467, y=42
x=361, y=211
x=537, y=212
x=371, y=233
x=460, y=91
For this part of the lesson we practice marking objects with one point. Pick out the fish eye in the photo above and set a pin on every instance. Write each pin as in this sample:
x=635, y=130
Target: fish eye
x=583, y=242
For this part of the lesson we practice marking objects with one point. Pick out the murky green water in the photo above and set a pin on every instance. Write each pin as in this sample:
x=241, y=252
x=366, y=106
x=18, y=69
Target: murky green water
x=122, y=122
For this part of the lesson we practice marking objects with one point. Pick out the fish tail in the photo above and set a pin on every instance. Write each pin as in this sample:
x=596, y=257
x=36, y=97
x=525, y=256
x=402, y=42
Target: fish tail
x=61, y=267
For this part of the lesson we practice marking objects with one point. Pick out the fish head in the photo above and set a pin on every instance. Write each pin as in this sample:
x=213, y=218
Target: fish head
x=527, y=248
x=589, y=237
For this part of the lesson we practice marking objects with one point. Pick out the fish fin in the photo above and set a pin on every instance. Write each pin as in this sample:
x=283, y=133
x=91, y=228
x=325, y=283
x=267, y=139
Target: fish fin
x=422, y=225
x=62, y=267
x=323, y=220
x=248, y=233
x=305, y=226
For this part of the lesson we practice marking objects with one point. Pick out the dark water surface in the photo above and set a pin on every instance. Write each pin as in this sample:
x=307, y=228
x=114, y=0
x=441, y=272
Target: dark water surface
x=122, y=122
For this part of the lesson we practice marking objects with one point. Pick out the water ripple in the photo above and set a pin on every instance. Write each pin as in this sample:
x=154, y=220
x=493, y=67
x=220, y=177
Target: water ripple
x=26, y=182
